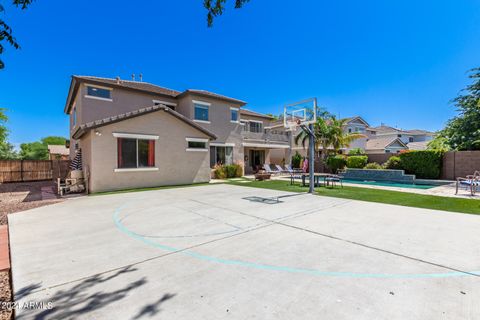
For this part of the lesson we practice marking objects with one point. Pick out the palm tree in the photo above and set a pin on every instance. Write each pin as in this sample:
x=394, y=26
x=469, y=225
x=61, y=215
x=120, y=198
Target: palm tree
x=329, y=134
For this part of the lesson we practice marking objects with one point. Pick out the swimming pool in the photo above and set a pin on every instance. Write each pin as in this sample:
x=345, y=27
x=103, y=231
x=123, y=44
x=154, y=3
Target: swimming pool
x=391, y=184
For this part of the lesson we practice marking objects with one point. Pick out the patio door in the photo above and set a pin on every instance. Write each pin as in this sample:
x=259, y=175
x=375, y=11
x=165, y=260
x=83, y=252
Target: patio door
x=257, y=159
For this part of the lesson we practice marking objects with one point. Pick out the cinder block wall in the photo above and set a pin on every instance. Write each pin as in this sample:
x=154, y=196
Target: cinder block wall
x=460, y=164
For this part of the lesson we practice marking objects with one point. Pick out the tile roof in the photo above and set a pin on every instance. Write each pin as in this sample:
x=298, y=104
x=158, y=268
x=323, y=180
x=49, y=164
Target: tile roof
x=254, y=114
x=212, y=95
x=82, y=129
x=136, y=85
x=382, y=142
x=421, y=145
x=58, y=149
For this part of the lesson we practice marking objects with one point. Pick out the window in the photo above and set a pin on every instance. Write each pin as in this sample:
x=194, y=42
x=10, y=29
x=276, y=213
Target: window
x=97, y=92
x=387, y=151
x=349, y=130
x=399, y=135
x=221, y=155
x=196, y=144
x=410, y=139
x=135, y=153
x=234, y=115
x=201, y=112
x=255, y=126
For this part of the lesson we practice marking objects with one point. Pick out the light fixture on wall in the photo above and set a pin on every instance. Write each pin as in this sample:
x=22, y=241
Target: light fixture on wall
x=98, y=133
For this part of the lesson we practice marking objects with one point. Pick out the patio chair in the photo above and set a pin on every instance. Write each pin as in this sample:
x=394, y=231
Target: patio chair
x=471, y=181
x=294, y=173
x=333, y=180
x=268, y=169
x=279, y=168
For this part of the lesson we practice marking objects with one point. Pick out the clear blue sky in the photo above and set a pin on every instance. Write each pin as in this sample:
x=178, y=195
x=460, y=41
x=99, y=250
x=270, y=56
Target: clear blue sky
x=397, y=62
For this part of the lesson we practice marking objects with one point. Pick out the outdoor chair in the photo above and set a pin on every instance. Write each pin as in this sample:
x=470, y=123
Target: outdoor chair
x=268, y=169
x=279, y=168
x=294, y=173
x=471, y=182
x=333, y=180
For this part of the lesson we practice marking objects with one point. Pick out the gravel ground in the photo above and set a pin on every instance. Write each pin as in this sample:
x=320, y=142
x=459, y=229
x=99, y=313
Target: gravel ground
x=5, y=294
x=22, y=196
x=16, y=197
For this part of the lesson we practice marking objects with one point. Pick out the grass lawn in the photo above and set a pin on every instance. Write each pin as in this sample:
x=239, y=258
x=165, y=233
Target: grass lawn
x=376, y=195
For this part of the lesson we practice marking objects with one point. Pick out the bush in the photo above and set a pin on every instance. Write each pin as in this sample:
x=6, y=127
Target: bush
x=373, y=165
x=393, y=163
x=425, y=164
x=227, y=171
x=296, y=159
x=356, y=152
x=336, y=162
x=357, y=162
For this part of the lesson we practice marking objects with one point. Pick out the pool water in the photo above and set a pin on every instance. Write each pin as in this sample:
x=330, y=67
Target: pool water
x=391, y=184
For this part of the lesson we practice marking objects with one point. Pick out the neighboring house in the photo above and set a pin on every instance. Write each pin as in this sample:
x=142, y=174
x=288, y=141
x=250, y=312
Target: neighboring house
x=406, y=136
x=58, y=152
x=385, y=145
x=135, y=134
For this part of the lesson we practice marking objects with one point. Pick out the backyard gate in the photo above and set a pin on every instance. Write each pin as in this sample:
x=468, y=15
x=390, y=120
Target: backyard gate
x=32, y=170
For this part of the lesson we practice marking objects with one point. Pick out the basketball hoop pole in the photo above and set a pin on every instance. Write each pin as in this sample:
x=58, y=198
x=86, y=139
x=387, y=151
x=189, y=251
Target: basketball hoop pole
x=311, y=159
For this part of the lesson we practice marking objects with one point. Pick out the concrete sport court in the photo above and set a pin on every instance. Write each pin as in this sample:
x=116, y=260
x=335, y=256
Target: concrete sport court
x=222, y=251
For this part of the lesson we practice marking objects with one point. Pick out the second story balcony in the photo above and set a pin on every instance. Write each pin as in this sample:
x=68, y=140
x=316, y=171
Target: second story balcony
x=268, y=136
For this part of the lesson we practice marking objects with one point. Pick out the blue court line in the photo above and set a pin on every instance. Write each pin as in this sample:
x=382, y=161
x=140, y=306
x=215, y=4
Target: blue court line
x=261, y=266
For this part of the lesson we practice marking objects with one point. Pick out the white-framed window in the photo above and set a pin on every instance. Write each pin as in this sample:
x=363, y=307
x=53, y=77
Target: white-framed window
x=201, y=112
x=234, y=115
x=99, y=93
x=196, y=144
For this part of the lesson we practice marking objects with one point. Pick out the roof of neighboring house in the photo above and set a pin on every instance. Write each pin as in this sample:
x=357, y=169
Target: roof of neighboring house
x=255, y=114
x=138, y=86
x=58, y=149
x=387, y=129
x=351, y=119
x=382, y=143
x=132, y=114
x=211, y=95
x=421, y=145
x=420, y=132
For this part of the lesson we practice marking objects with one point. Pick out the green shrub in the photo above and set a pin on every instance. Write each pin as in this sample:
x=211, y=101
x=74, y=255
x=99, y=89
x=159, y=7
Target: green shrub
x=357, y=162
x=336, y=162
x=227, y=171
x=356, y=152
x=393, y=163
x=296, y=159
x=373, y=165
x=425, y=164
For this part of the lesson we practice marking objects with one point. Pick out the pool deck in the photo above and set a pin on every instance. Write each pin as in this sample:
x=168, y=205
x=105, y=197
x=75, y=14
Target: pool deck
x=447, y=190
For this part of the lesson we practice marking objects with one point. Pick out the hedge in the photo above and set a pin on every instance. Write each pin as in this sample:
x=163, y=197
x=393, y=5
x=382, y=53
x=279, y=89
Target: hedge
x=336, y=162
x=228, y=171
x=425, y=164
x=357, y=162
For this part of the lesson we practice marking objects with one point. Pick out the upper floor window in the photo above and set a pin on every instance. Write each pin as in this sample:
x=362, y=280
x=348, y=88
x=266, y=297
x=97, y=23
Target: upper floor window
x=234, y=115
x=196, y=144
x=99, y=93
x=410, y=139
x=201, y=112
x=399, y=135
x=255, y=126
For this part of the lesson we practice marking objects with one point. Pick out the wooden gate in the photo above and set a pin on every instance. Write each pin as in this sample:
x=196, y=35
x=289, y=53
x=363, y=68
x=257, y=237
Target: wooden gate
x=32, y=170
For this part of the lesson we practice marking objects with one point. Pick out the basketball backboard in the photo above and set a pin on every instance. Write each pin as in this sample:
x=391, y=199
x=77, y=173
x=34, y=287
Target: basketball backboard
x=300, y=113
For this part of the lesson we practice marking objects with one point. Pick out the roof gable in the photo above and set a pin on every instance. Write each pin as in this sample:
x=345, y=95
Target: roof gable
x=84, y=128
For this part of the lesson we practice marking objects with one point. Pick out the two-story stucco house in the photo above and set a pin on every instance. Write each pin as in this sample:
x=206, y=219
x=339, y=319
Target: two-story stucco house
x=135, y=134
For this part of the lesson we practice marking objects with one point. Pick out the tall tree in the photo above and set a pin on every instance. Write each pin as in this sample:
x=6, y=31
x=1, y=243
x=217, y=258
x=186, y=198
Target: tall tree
x=463, y=131
x=216, y=8
x=7, y=151
x=329, y=134
x=55, y=140
x=6, y=32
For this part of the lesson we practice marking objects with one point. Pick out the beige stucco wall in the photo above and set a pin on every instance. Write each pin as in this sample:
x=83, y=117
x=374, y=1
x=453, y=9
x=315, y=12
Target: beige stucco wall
x=220, y=124
x=176, y=165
